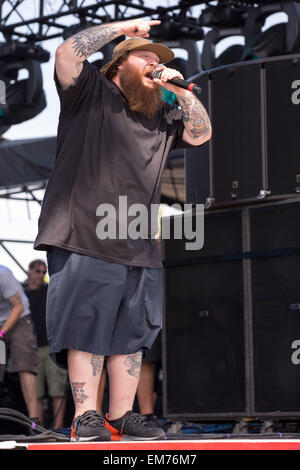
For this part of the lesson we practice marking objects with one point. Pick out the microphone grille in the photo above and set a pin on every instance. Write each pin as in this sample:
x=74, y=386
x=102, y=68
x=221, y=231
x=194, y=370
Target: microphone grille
x=156, y=73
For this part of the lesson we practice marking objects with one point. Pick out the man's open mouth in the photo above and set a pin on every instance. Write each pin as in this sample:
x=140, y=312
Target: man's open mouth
x=149, y=75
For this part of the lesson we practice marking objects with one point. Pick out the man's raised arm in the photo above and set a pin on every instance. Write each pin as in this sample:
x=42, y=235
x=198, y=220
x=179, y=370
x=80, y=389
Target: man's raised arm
x=75, y=50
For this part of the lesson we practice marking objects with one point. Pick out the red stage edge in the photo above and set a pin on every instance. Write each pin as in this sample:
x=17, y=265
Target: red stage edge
x=230, y=444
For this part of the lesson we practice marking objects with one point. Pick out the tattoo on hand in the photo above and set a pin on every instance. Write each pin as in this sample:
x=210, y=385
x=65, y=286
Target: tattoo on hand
x=90, y=40
x=195, y=117
x=79, y=394
x=97, y=361
x=134, y=364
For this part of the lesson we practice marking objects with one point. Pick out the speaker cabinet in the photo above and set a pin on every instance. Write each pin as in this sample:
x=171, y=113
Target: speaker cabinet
x=253, y=153
x=204, y=323
x=282, y=114
x=232, y=316
x=275, y=294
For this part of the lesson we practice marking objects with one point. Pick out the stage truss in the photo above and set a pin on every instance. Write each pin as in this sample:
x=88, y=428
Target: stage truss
x=41, y=20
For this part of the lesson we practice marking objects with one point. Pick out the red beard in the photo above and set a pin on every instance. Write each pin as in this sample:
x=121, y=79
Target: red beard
x=140, y=98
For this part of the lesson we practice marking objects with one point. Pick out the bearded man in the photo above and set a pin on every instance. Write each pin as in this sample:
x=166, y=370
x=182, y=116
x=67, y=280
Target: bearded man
x=105, y=293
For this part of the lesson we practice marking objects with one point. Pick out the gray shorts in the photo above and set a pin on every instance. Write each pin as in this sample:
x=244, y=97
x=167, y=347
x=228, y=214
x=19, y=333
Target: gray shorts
x=22, y=348
x=48, y=373
x=100, y=307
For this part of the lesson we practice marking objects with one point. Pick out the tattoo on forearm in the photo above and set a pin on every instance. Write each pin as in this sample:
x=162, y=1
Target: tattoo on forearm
x=133, y=363
x=90, y=40
x=79, y=394
x=15, y=300
x=196, y=120
x=97, y=361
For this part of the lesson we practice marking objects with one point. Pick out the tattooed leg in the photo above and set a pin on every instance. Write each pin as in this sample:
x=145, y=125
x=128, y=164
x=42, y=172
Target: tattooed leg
x=133, y=364
x=97, y=364
x=124, y=373
x=79, y=394
x=84, y=373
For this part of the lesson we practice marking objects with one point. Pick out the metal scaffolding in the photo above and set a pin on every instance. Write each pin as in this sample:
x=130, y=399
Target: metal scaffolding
x=53, y=17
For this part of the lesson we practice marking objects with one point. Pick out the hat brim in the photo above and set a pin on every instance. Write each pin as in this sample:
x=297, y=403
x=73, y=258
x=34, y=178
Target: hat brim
x=164, y=53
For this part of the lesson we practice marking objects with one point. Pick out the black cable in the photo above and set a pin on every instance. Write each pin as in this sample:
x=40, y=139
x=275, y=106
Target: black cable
x=230, y=437
x=44, y=437
x=19, y=418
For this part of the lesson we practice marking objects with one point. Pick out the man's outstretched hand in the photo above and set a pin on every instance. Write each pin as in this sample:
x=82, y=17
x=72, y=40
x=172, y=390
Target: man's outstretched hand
x=138, y=28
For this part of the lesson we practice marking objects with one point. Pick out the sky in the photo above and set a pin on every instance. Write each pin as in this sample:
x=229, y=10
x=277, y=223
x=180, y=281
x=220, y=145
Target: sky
x=19, y=220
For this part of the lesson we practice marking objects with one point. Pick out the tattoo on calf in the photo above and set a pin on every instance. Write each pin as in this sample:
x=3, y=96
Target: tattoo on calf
x=134, y=364
x=97, y=361
x=90, y=40
x=79, y=394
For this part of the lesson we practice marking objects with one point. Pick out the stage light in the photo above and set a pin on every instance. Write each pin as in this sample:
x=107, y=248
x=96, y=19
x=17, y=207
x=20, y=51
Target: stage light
x=224, y=16
x=24, y=99
x=246, y=18
x=280, y=39
x=269, y=43
x=177, y=27
x=15, y=50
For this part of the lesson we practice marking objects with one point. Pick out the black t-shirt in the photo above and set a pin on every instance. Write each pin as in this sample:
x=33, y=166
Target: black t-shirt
x=104, y=151
x=37, y=301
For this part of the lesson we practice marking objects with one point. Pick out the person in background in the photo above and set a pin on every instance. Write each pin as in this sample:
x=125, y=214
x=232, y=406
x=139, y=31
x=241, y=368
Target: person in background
x=48, y=372
x=16, y=329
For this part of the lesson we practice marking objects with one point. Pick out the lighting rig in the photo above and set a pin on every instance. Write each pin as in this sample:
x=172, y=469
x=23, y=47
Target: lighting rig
x=23, y=99
x=182, y=27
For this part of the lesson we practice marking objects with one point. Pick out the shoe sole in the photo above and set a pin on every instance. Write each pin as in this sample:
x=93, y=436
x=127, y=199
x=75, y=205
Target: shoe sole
x=126, y=437
x=89, y=439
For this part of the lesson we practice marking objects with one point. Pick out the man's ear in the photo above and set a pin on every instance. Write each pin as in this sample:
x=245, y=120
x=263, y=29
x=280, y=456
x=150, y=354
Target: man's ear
x=121, y=66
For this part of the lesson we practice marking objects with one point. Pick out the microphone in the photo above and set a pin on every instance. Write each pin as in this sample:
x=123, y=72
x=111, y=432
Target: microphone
x=157, y=73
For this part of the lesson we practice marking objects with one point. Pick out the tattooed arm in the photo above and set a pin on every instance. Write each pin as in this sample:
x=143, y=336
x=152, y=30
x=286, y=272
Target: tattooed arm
x=196, y=121
x=75, y=50
x=17, y=309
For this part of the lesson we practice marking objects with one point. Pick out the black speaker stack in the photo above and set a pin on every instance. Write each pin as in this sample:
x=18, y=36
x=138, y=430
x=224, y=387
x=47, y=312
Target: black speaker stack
x=254, y=151
x=231, y=337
